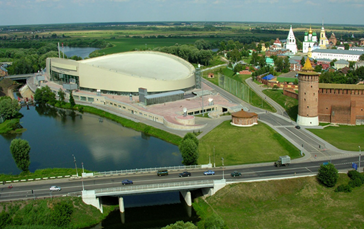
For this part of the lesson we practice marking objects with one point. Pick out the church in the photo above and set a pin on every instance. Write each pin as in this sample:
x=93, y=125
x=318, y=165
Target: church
x=310, y=40
x=291, y=42
x=323, y=39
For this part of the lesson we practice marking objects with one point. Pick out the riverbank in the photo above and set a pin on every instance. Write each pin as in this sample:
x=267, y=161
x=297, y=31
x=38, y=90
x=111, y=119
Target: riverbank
x=64, y=212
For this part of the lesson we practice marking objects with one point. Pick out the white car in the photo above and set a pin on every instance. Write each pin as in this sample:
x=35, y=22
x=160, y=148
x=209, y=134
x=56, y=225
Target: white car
x=55, y=188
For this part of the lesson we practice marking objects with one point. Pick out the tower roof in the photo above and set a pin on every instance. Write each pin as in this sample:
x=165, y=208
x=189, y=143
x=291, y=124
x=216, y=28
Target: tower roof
x=310, y=31
x=307, y=66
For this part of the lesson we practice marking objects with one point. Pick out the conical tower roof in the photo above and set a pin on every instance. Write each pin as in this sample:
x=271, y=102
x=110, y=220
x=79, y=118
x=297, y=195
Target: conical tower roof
x=307, y=67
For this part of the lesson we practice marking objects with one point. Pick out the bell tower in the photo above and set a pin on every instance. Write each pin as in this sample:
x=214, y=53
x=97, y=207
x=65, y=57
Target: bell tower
x=308, y=96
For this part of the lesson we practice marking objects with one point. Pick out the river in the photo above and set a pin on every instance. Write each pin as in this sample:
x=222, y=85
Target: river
x=75, y=51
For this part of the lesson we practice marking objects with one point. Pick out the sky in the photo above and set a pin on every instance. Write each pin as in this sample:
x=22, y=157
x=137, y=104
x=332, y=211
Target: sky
x=24, y=12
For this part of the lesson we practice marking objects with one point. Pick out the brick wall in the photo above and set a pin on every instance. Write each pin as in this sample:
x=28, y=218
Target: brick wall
x=290, y=93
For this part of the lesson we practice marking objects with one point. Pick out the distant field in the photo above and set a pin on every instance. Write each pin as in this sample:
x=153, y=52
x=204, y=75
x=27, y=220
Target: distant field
x=128, y=44
x=231, y=143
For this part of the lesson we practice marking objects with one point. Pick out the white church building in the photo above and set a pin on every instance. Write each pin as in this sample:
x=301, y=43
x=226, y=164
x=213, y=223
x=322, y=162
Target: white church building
x=310, y=40
x=291, y=42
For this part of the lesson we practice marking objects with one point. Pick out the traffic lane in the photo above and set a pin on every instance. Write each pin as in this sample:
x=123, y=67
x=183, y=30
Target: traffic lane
x=304, y=143
x=274, y=120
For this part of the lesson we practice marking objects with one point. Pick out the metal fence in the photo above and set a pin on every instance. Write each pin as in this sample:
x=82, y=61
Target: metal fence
x=128, y=171
x=154, y=186
x=236, y=88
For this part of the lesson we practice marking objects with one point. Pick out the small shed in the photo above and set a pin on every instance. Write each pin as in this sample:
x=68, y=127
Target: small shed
x=244, y=119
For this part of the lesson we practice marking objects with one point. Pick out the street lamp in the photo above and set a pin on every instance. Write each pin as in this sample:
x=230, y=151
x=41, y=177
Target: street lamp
x=74, y=159
x=214, y=157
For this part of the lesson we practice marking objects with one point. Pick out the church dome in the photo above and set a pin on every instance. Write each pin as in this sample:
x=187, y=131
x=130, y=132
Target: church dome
x=310, y=31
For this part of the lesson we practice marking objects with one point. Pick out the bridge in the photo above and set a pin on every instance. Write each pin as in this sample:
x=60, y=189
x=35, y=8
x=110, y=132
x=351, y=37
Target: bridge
x=19, y=77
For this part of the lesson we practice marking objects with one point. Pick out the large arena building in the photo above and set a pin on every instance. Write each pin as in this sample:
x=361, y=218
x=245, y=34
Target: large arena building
x=124, y=73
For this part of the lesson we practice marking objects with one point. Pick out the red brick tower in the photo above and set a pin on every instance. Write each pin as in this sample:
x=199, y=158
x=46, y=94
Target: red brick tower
x=308, y=88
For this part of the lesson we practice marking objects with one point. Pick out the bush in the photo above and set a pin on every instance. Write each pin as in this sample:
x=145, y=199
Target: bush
x=355, y=183
x=343, y=188
x=353, y=174
x=4, y=219
x=328, y=175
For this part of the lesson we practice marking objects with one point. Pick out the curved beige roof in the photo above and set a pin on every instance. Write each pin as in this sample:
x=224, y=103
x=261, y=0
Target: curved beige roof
x=145, y=64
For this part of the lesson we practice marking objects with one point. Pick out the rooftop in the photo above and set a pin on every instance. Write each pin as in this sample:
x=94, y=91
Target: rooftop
x=155, y=65
x=341, y=86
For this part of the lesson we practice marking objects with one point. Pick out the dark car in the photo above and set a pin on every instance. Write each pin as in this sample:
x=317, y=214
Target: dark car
x=297, y=127
x=125, y=182
x=235, y=174
x=185, y=174
x=162, y=172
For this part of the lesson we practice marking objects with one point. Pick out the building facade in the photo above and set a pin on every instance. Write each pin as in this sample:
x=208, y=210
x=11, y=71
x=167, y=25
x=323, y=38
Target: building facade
x=336, y=54
x=323, y=39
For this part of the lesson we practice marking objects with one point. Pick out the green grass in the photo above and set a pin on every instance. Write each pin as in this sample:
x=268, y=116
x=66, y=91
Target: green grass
x=9, y=125
x=38, y=213
x=343, y=137
x=128, y=44
x=231, y=143
x=41, y=173
x=288, y=103
x=286, y=79
x=291, y=203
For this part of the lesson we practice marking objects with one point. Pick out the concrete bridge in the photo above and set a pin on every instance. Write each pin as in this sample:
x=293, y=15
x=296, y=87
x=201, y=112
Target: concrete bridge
x=208, y=188
x=19, y=77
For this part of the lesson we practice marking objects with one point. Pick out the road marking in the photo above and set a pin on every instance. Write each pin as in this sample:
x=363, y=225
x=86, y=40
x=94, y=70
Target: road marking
x=309, y=170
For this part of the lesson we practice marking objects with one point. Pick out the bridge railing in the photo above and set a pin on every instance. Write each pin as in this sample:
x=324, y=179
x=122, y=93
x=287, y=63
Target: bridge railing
x=128, y=171
x=153, y=186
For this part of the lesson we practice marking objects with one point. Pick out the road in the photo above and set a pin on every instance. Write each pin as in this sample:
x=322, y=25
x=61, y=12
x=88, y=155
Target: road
x=249, y=172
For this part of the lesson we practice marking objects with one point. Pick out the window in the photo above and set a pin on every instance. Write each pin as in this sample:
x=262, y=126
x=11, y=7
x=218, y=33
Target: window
x=90, y=99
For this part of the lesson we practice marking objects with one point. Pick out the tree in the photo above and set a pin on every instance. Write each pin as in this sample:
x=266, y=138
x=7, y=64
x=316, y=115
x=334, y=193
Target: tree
x=318, y=68
x=214, y=222
x=361, y=57
x=302, y=61
x=191, y=136
x=61, y=95
x=328, y=175
x=181, y=225
x=72, y=100
x=189, y=151
x=346, y=46
x=61, y=214
x=44, y=95
x=9, y=108
x=238, y=68
x=20, y=149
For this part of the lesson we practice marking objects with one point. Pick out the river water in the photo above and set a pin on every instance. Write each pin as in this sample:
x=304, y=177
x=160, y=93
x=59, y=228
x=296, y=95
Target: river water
x=75, y=51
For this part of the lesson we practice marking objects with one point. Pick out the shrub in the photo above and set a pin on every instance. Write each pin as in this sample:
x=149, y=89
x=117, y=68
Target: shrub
x=355, y=183
x=328, y=175
x=4, y=219
x=343, y=188
x=353, y=174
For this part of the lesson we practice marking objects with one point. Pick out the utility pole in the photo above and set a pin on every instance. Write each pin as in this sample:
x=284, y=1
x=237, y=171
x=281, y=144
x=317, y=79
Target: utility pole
x=359, y=158
x=223, y=175
x=83, y=170
x=74, y=159
x=214, y=157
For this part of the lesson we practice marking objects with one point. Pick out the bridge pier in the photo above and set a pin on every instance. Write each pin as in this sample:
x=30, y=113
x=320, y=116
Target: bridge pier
x=187, y=196
x=121, y=204
x=89, y=197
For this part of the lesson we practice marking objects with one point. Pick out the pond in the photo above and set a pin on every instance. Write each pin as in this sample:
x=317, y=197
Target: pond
x=75, y=51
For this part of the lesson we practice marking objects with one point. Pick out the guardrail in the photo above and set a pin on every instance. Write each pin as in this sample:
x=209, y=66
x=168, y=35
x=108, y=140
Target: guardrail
x=127, y=171
x=153, y=186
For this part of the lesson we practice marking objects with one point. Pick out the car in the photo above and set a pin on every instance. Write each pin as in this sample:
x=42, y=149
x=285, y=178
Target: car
x=55, y=188
x=163, y=172
x=297, y=127
x=185, y=174
x=235, y=174
x=209, y=172
x=125, y=182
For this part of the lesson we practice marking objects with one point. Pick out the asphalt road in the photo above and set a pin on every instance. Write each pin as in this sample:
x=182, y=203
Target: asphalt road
x=250, y=172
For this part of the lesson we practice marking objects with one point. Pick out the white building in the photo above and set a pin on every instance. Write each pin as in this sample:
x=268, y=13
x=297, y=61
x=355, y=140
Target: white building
x=291, y=41
x=310, y=40
x=336, y=54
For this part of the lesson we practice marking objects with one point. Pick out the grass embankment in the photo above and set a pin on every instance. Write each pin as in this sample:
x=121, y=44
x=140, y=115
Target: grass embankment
x=342, y=137
x=288, y=103
x=238, y=145
x=42, y=173
x=138, y=126
x=291, y=203
x=40, y=213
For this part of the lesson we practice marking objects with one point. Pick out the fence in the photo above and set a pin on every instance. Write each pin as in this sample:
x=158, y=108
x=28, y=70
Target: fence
x=236, y=88
x=155, y=186
x=127, y=171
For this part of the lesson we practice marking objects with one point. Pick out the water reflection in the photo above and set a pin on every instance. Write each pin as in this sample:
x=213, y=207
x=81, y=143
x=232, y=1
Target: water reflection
x=55, y=134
